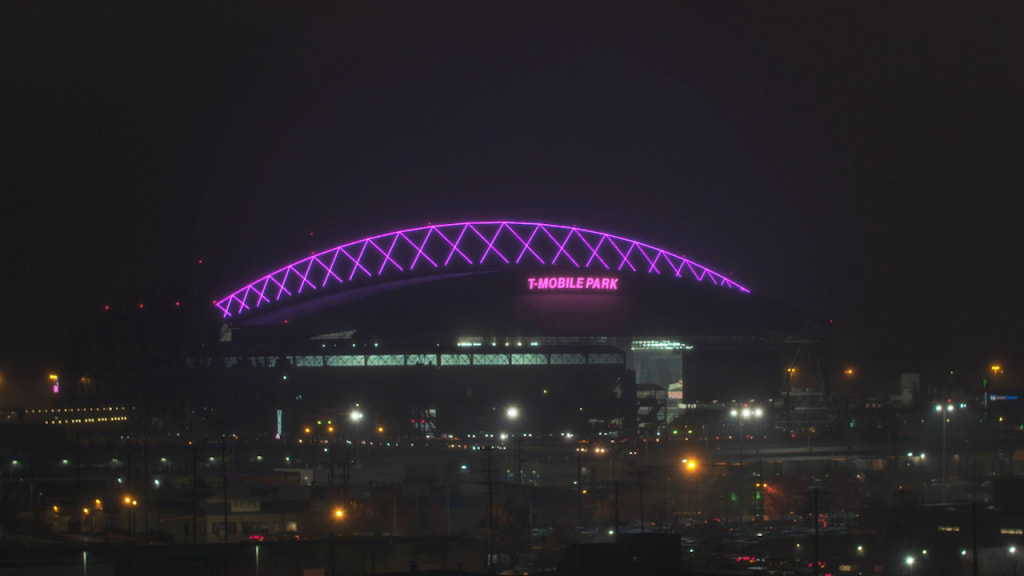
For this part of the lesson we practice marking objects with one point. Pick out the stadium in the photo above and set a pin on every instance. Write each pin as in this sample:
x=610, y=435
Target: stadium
x=445, y=328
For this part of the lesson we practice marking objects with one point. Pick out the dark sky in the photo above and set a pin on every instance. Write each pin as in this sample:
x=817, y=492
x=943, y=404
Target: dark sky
x=859, y=162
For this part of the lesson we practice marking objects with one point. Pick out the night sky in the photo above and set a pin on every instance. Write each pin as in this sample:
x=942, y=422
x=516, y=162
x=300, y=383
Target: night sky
x=860, y=163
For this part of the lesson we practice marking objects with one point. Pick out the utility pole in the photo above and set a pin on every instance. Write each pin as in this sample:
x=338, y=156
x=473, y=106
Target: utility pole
x=816, y=531
x=78, y=468
x=195, y=492
x=974, y=534
x=224, y=478
x=519, y=462
x=344, y=477
x=490, y=510
x=616, y=508
x=145, y=484
x=579, y=486
x=640, y=487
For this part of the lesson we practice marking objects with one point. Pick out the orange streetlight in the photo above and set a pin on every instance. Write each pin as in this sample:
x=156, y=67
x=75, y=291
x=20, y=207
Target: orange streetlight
x=848, y=371
x=339, y=513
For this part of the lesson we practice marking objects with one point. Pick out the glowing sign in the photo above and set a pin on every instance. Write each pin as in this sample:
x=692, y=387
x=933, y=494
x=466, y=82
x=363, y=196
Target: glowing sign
x=602, y=283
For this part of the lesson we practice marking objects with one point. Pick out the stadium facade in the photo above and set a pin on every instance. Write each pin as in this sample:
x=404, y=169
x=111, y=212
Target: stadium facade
x=439, y=329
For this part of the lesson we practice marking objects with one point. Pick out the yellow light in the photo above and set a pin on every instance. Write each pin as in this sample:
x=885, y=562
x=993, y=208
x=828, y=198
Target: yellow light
x=53, y=376
x=127, y=499
x=330, y=428
x=339, y=513
x=691, y=464
x=791, y=370
x=997, y=368
x=306, y=430
x=380, y=429
x=584, y=490
x=135, y=502
x=848, y=371
x=56, y=509
x=85, y=511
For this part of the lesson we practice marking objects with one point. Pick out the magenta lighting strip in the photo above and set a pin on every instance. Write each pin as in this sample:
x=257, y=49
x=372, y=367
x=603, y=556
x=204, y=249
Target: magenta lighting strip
x=462, y=245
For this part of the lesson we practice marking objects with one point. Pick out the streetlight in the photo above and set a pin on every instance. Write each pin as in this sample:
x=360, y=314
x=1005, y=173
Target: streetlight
x=910, y=563
x=945, y=411
x=744, y=415
x=356, y=416
x=691, y=465
x=512, y=412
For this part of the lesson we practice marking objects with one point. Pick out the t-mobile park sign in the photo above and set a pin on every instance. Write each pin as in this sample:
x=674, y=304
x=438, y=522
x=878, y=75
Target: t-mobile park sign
x=573, y=283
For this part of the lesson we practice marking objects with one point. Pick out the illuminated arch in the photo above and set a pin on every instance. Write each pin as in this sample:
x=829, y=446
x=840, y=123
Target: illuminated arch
x=460, y=245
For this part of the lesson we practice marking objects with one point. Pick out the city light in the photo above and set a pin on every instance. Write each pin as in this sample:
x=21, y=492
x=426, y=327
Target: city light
x=512, y=412
x=747, y=413
x=339, y=513
x=848, y=371
x=909, y=560
x=997, y=369
x=355, y=416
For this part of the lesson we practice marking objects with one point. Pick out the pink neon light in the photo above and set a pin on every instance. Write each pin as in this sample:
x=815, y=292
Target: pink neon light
x=419, y=249
x=526, y=245
x=356, y=261
x=573, y=283
x=561, y=247
x=490, y=243
x=455, y=246
x=546, y=242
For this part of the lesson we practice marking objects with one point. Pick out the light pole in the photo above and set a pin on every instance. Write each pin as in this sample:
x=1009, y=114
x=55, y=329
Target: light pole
x=690, y=465
x=512, y=414
x=356, y=416
x=743, y=415
x=944, y=411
